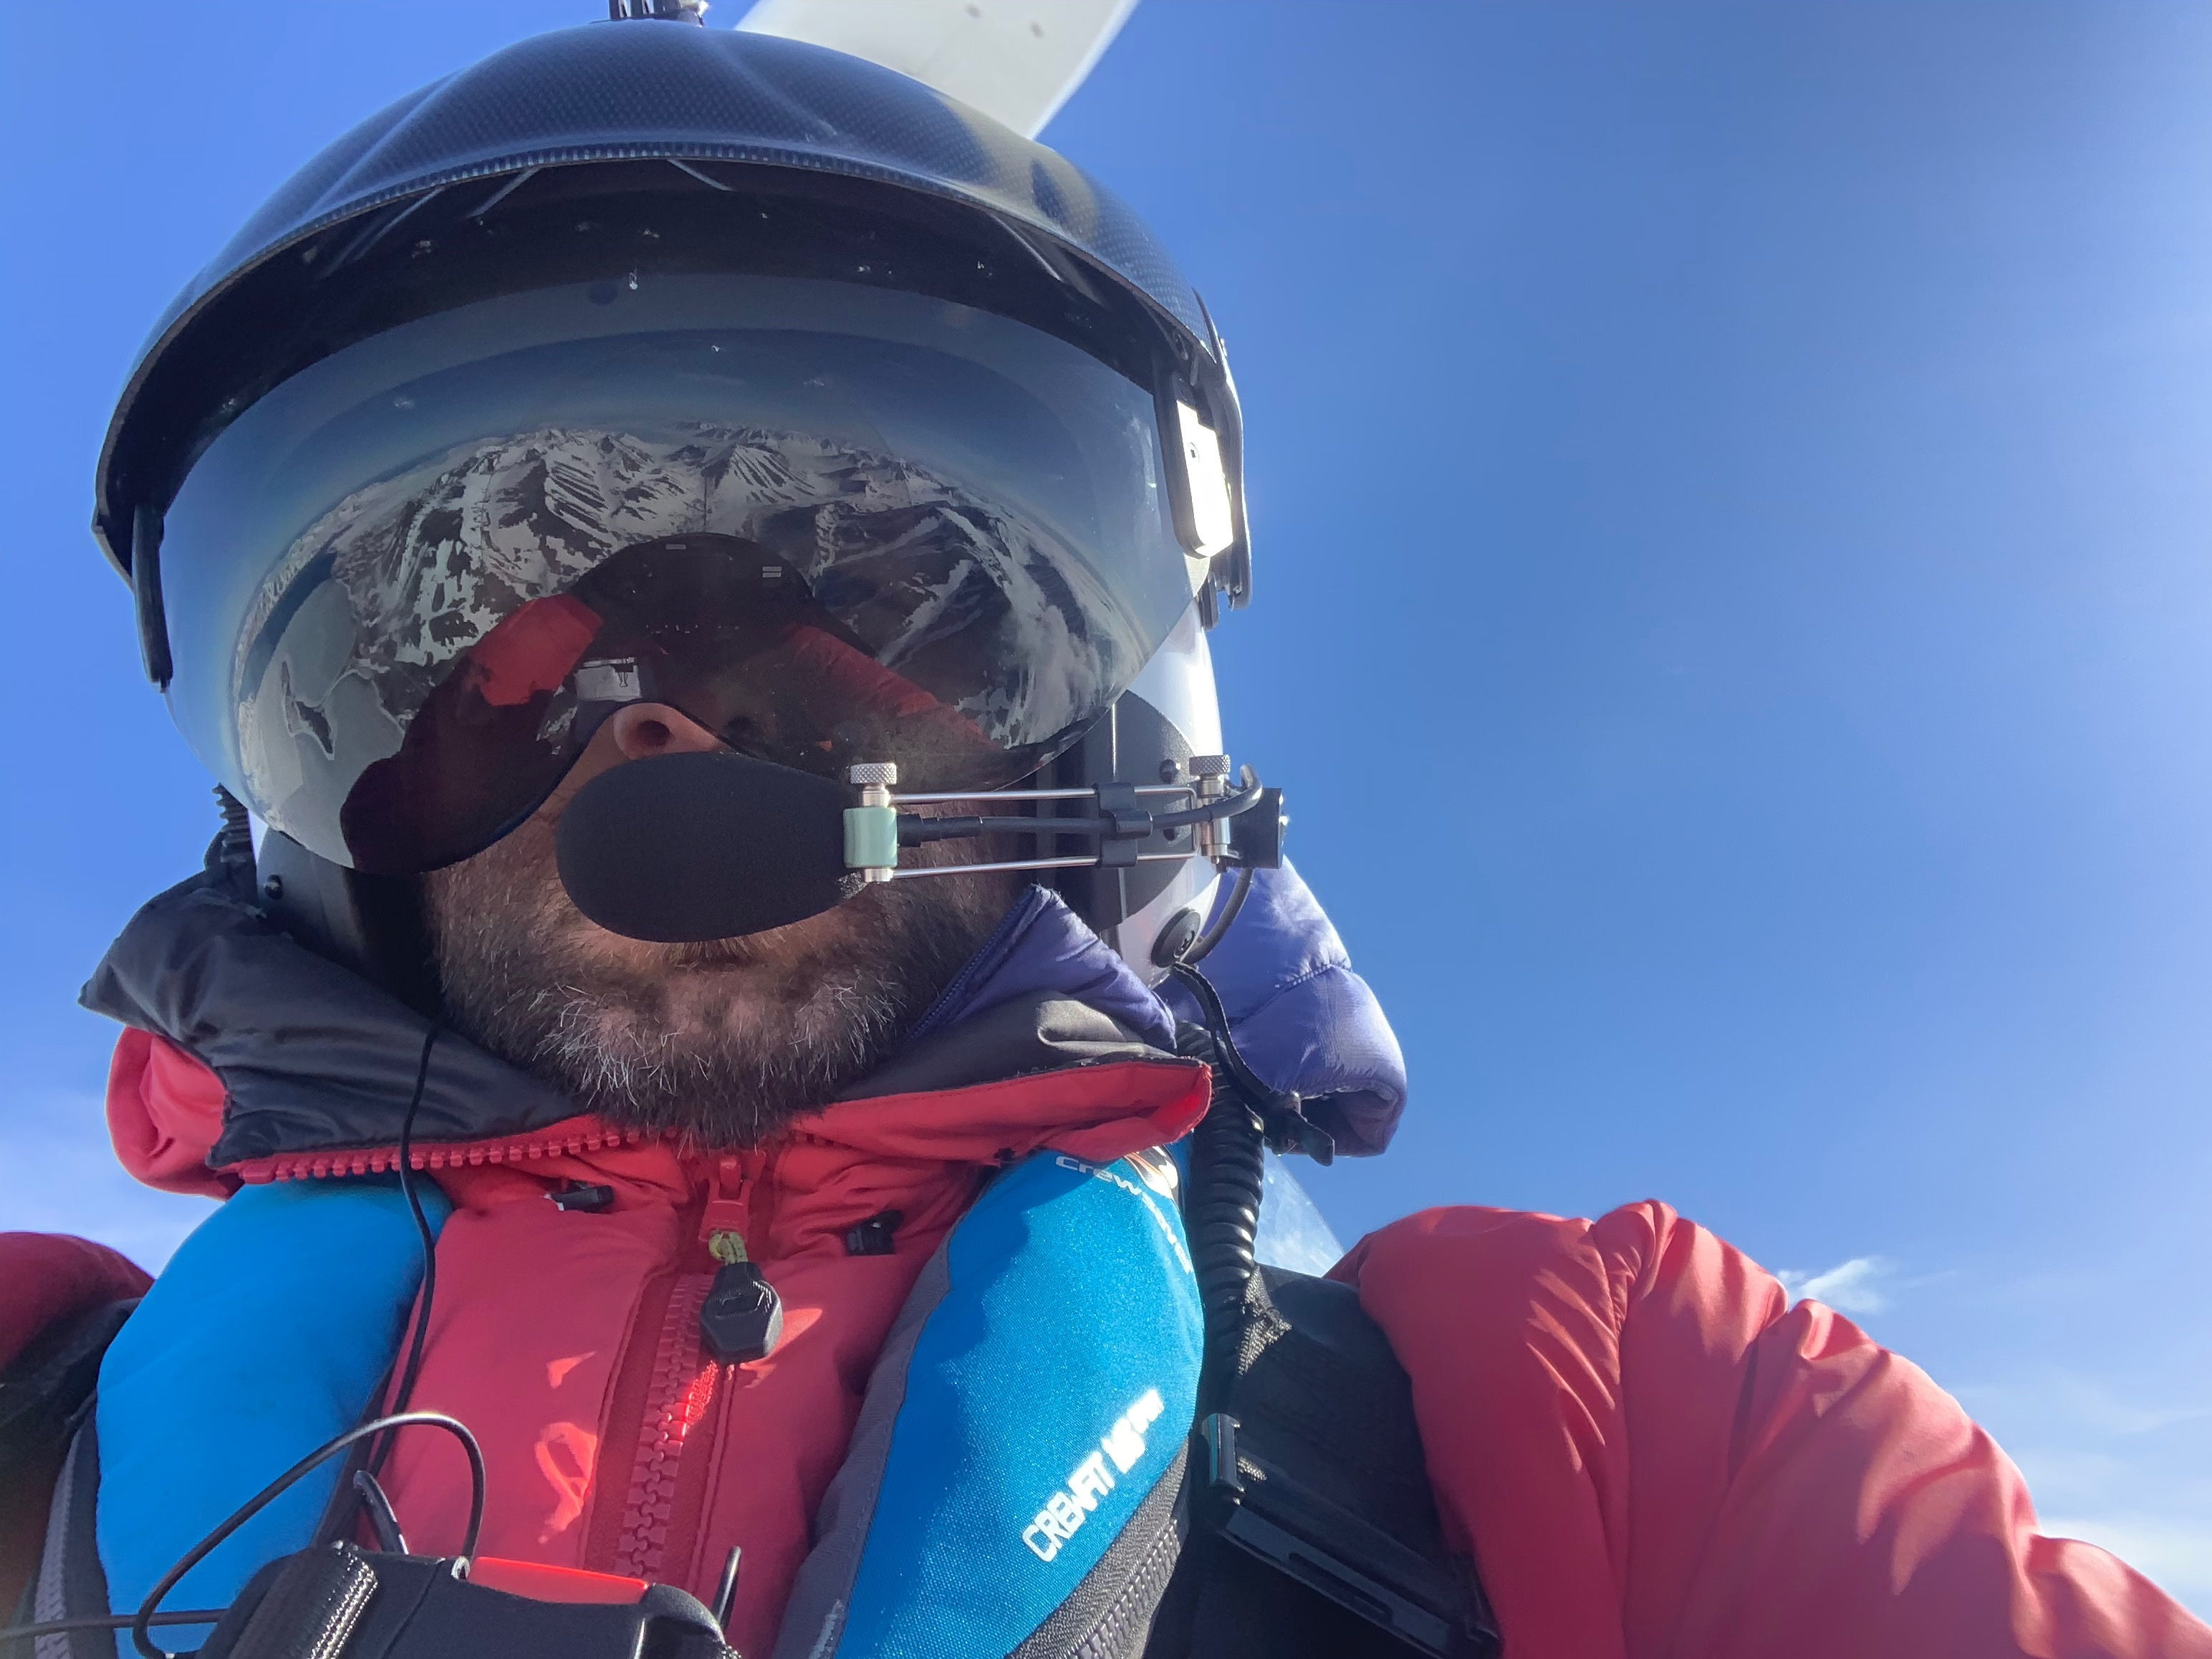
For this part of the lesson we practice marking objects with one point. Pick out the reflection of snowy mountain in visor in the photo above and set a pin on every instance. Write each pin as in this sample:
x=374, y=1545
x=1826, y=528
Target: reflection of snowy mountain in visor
x=814, y=604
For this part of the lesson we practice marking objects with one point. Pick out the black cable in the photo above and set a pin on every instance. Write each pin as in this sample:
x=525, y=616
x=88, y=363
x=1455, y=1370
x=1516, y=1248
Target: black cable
x=725, y=1595
x=1222, y=1215
x=1229, y=806
x=397, y=1385
x=916, y=830
x=142, y=1621
x=1245, y=1079
x=105, y=1621
x=1228, y=1167
x=1282, y=1114
x=237, y=837
x=381, y=1520
x=404, y=1394
x=1200, y=948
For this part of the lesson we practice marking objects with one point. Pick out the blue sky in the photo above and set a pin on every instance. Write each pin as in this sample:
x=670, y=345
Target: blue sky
x=1735, y=580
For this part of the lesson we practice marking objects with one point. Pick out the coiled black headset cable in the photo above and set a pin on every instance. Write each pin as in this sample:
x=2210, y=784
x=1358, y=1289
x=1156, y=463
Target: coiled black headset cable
x=1228, y=1162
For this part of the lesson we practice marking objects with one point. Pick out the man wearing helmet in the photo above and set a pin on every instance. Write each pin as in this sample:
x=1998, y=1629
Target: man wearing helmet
x=677, y=536
x=725, y=1042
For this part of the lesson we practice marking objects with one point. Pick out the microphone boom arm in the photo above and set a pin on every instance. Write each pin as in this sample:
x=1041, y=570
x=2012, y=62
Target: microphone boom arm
x=876, y=829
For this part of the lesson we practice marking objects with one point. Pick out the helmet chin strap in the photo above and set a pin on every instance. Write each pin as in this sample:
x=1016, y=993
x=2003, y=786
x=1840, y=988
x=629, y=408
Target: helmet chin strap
x=372, y=925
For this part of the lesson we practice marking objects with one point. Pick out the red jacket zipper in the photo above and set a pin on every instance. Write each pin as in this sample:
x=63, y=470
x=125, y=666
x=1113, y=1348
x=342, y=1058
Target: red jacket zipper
x=682, y=1386
x=664, y=1509
x=377, y=1160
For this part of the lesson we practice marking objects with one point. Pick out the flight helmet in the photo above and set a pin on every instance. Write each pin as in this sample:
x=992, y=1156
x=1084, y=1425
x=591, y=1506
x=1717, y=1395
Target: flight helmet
x=643, y=362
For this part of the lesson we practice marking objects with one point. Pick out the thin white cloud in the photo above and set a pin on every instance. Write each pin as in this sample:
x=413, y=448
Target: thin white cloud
x=2112, y=1467
x=2072, y=1402
x=1852, y=1287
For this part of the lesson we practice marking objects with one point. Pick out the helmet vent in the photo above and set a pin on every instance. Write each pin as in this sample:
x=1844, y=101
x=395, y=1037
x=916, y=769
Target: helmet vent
x=672, y=11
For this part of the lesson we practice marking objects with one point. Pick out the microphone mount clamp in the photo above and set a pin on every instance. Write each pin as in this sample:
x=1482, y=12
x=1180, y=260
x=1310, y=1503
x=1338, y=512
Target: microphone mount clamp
x=1239, y=826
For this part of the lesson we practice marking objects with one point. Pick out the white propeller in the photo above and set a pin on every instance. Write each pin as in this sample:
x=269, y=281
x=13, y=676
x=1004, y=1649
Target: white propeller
x=1018, y=61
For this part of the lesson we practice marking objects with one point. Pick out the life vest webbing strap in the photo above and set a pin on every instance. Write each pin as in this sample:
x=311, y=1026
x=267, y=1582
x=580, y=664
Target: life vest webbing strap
x=1316, y=1528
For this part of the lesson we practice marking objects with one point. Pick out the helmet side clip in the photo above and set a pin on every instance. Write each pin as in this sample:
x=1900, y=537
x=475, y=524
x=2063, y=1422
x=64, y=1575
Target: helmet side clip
x=146, y=592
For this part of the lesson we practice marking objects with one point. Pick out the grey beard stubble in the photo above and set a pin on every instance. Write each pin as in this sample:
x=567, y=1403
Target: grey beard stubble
x=812, y=1009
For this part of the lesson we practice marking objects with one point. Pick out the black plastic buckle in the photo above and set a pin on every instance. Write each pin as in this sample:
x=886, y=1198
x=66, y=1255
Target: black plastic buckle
x=588, y=1200
x=1288, y=1129
x=1255, y=835
x=1269, y=1517
x=1346, y=1585
x=877, y=1235
x=341, y=1600
x=1219, y=1435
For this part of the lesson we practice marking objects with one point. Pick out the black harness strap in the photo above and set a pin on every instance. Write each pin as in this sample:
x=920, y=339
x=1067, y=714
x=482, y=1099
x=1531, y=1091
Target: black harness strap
x=1316, y=1530
x=68, y=1582
x=47, y=1446
x=1312, y=1525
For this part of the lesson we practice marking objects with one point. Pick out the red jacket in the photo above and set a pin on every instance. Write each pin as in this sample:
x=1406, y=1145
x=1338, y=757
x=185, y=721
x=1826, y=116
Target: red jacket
x=1645, y=1449
x=1651, y=1453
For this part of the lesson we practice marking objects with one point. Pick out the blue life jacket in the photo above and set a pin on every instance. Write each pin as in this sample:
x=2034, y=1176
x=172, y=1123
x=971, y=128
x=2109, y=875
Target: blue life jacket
x=1037, y=1386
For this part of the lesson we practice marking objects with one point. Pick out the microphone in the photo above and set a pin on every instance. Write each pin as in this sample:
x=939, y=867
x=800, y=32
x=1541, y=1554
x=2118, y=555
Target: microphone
x=679, y=848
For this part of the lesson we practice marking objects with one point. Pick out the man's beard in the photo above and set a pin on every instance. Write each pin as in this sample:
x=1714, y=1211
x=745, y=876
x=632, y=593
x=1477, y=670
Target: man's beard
x=720, y=1043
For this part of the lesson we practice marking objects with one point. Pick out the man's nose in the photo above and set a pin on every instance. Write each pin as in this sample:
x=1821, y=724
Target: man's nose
x=642, y=730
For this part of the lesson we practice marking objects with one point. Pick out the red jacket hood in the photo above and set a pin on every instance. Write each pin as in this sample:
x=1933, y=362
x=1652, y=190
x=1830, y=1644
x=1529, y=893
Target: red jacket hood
x=250, y=1057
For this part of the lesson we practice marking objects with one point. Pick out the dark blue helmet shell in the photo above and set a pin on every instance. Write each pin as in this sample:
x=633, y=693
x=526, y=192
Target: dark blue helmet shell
x=648, y=90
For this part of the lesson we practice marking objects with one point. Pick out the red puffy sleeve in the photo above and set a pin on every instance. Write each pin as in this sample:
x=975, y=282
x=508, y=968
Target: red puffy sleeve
x=1648, y=1452
x=47, y=1276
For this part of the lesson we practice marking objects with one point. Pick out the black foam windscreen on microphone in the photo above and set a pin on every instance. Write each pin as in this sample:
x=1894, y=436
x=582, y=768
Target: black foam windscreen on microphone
x=677, y=848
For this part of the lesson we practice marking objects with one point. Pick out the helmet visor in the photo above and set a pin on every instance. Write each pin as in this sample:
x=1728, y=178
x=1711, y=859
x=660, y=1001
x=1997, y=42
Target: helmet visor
x=830, y=523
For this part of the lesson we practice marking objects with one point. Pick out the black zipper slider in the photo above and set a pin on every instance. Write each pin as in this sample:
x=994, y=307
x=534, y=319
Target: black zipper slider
x=742, y=1318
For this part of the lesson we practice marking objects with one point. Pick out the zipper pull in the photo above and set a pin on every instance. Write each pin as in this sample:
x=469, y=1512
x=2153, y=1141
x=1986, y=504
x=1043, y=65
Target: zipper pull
x=728, y=1206
x=742, y=1318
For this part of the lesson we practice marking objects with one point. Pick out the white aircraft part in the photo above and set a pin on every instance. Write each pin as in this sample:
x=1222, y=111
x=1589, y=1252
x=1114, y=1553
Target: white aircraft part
x=1018, y=61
